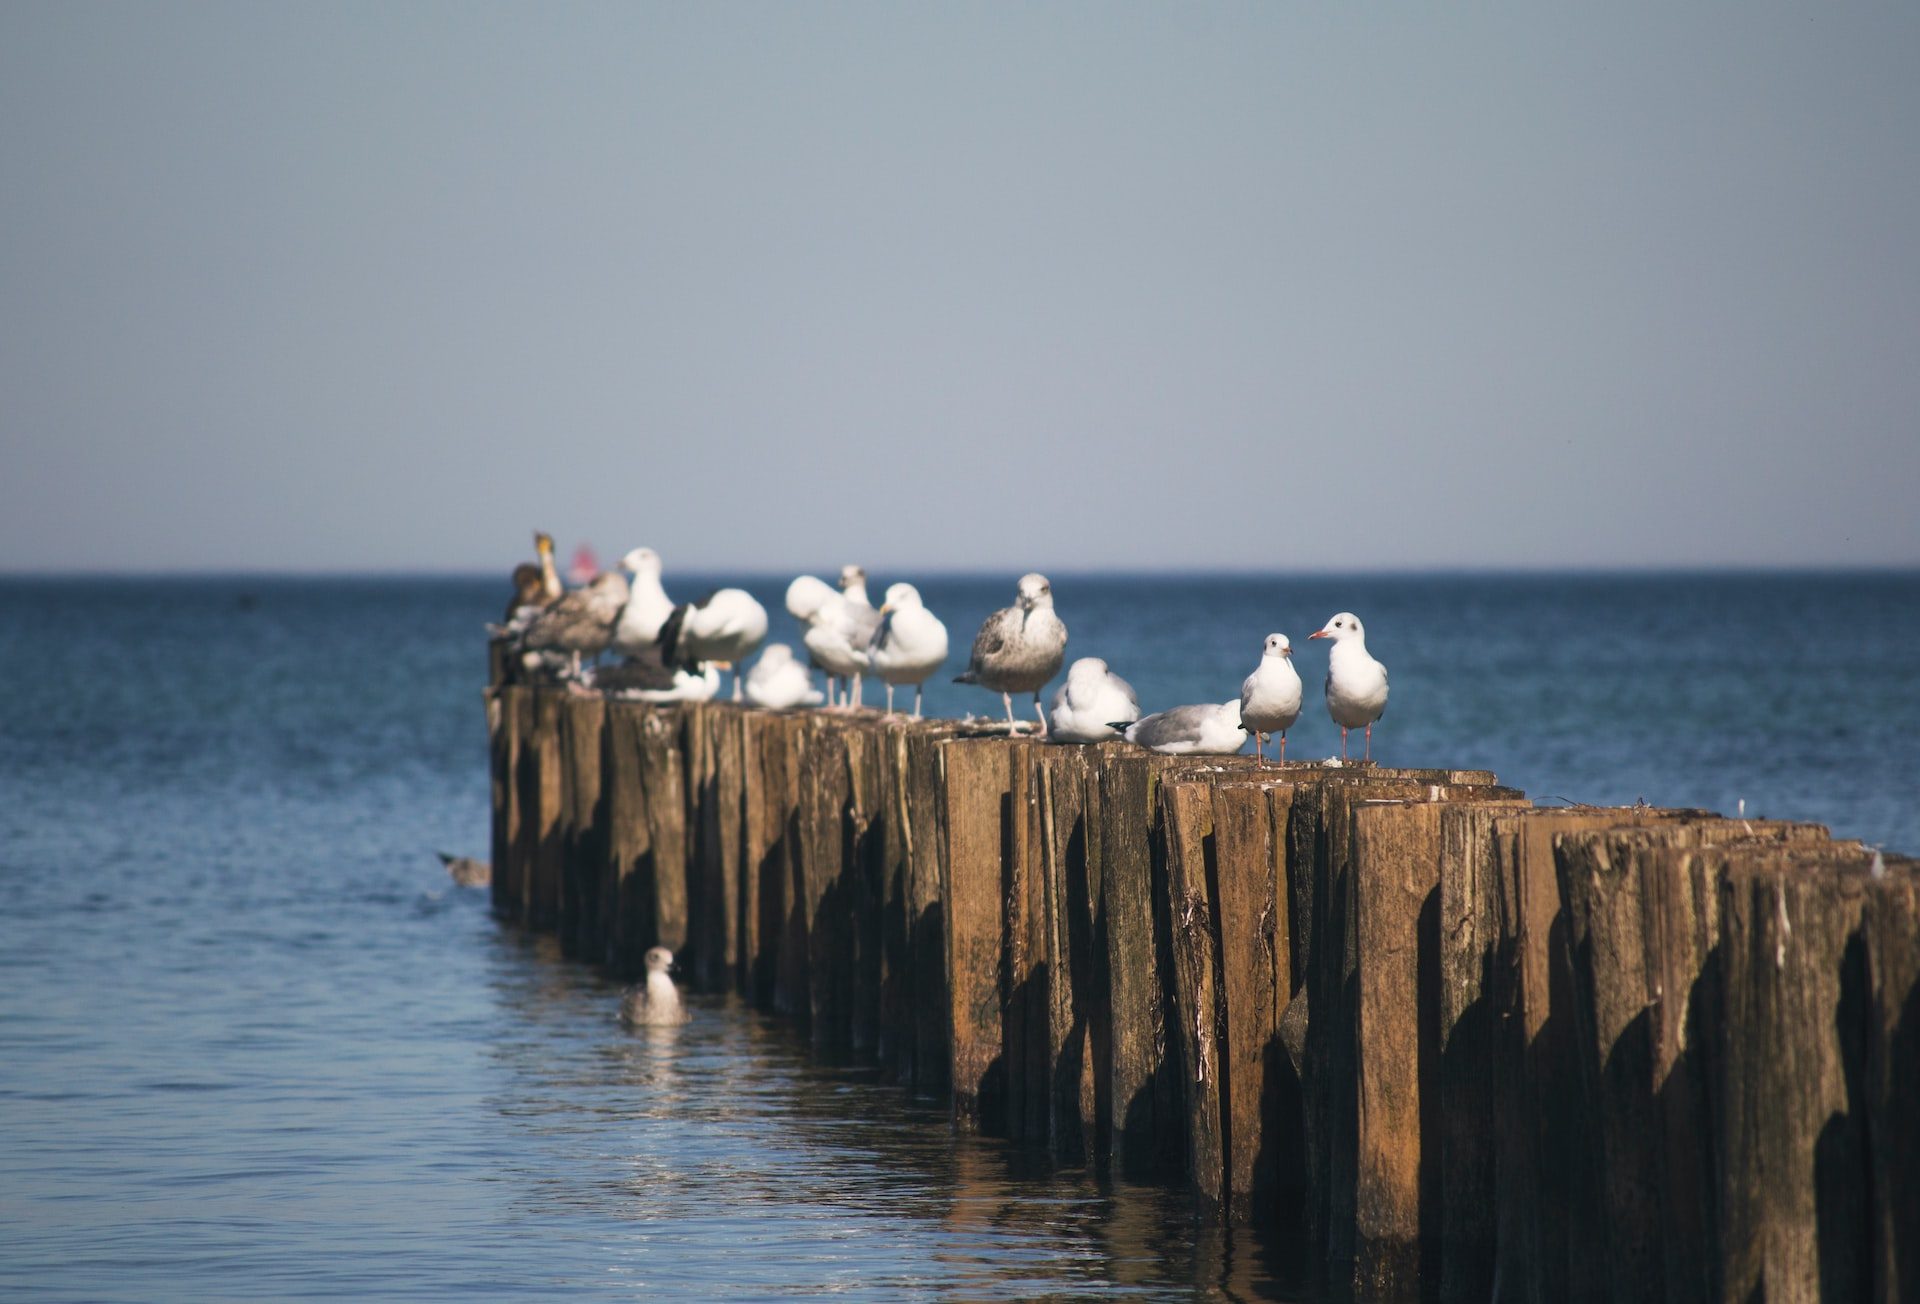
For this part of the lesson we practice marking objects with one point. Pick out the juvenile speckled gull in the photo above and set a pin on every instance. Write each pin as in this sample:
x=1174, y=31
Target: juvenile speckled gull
x=1356, y=683
x=1270, y=697
x=581, y=622
x=908, y=644
x=1203, y=730
x=1093, y=705
x=1019, y=648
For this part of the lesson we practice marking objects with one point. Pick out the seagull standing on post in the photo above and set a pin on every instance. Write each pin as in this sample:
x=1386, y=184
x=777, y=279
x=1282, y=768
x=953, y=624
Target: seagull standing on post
x=908, y=645
x=1019, y=648
x=1270, y=698
x=1356, y=683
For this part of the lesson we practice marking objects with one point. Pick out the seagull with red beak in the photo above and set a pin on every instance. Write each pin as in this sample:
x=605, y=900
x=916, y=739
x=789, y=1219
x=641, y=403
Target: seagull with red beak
x=1356, y=683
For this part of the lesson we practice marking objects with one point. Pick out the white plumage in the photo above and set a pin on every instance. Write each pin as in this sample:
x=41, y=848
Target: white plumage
x=908, y=644
x=1093, y=705
x=1356, y=683
x=1270, y=697
x=779, y=681
x=1203, y=730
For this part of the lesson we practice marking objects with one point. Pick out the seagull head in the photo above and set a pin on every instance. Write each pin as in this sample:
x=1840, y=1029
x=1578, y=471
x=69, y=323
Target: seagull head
x=659, y=960
x=642, y=561
x=1035, y=591
x=852, y=577
x=1344, y=626
x=776, y=654
x=1087, y=668
x=901, y=596
x=1278, y=646
x=542, y=543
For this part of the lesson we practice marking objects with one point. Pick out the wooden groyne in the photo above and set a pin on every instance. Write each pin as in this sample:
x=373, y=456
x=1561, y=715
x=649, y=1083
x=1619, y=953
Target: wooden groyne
x=1465, y=1047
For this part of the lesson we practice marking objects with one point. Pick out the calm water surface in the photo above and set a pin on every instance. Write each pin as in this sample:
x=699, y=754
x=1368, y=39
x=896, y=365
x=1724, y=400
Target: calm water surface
x=253, y=1046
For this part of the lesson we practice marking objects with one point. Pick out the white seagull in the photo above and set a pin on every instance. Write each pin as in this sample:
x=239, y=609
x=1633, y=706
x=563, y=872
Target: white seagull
x=1270, y=698
x=1203, y=730
x=723, y=628
x=637, y=633
x=656, y=1002
x=1356, y=683
x=859, y=618
x=1019, y=648
x=779, y=681
x=1093, y=705
x=908, y=645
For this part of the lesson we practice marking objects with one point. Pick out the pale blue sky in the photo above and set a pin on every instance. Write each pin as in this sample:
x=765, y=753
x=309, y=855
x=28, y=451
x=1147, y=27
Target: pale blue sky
x=979, y=286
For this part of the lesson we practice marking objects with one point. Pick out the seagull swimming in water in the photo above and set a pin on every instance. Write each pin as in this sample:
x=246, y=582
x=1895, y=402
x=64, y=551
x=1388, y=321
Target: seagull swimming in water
x=654, y=1003
x=1019, y=648
x=1093, y=705
x=908, y=644
x=466, y=871
x=1270, y=697
x=1356, y=683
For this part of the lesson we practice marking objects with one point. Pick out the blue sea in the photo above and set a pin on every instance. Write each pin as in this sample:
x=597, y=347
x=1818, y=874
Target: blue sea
x=253, y=1045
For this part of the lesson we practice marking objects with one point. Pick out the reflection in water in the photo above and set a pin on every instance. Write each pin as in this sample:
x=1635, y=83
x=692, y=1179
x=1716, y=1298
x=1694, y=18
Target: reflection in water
x=723, y=1158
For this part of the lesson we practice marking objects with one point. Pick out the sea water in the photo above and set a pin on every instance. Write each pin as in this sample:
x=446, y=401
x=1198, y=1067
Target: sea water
x=254, y=1045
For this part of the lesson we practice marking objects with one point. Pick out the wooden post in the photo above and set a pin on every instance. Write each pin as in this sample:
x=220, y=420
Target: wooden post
x=584, y=854
x=626, y=893
x=1795, y=1159
x=1186, y=812
x=1076, y=1007
x=503, y=748
x=973, y=821
x=1893, y=1064
x=1148, y=1132
x=926, y=921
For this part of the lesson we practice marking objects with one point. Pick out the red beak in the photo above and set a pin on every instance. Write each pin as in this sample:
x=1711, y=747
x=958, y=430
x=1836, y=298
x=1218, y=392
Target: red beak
x=1318, y=634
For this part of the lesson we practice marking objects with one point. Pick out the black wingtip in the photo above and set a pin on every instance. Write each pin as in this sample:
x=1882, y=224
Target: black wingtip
x=965, y=677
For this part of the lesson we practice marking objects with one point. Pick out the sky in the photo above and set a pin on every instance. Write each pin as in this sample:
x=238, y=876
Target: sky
x=1056, y=286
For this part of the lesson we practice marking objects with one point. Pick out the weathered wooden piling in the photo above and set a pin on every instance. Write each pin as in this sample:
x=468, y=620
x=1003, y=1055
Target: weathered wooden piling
x=1455, y=1043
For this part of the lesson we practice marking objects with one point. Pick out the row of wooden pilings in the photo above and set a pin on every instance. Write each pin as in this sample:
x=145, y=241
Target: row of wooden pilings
x=1464, y=1047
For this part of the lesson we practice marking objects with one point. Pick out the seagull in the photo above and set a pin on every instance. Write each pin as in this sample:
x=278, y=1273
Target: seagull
x=686, y=685
x=1270, y=699
x=1093, y=705
x=1019, y=648
x=1204, y=730
x=638, y=632
x=908, y=645
x=582, y=621
x=626, y=678
x=724, y=627
x=1356, y=683
x=827, y=629
x=466, y=871
x=656, y=1002
x=778, y=681
x=857, y=613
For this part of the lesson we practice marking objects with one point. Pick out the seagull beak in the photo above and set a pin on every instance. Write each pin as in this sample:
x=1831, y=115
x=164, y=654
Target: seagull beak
x=1319, y=634
x=885, y=608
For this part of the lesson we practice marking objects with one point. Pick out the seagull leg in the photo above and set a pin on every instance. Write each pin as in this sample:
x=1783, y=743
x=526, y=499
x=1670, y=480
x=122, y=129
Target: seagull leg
x=916, y=701
x=1343, y=744
x=1369, y=742
x=889, y=697
x=1283, y=748
x=1038, y=711
x=857, y=695
x=1008, y=699
x=1260, y=748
